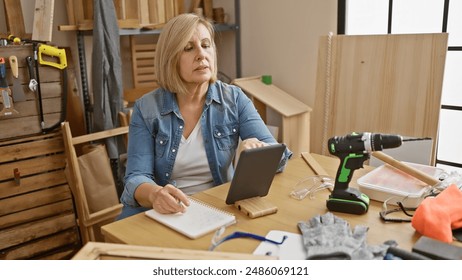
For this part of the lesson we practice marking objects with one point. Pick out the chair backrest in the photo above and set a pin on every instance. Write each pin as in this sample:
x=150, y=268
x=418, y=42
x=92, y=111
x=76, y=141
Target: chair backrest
x=124, y=119
x=89, y=222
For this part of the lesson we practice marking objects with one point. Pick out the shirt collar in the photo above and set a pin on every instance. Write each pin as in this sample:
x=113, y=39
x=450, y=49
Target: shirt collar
x=171, y=105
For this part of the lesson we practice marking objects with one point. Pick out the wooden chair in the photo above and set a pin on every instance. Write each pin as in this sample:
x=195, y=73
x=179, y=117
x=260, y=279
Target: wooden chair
x=144, y=75
x=124, y=119
x=89, y=222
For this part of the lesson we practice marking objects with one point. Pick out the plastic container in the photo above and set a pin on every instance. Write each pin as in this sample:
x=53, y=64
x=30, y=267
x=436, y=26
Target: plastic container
x=388, y=183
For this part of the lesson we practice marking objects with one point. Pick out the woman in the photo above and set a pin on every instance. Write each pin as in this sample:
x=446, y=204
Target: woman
x=183, y=136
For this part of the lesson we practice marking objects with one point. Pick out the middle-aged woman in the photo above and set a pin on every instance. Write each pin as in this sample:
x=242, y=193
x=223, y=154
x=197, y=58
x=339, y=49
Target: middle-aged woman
x=184, y=135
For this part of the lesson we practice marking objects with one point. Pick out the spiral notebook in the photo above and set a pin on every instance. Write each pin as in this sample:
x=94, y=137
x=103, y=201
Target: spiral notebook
x=198, y=220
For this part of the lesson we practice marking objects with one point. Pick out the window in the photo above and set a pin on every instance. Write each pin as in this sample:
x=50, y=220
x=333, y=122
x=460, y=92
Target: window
x=416, y=16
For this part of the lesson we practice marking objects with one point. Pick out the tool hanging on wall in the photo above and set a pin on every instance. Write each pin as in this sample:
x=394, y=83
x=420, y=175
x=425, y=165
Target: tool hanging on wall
x=57, y=56
x=18, y=92
x=57, y=59
x=32, y=81
x=5, y=98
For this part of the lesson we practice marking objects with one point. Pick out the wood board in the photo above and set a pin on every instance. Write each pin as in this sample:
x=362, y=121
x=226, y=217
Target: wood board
x=378, y=83
x=37, y=216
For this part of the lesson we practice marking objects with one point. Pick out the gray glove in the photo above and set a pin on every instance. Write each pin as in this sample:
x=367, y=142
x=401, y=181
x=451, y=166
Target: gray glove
x=330, y=237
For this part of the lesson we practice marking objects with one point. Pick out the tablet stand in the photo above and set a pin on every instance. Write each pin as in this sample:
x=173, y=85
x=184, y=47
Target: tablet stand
x=255, y=207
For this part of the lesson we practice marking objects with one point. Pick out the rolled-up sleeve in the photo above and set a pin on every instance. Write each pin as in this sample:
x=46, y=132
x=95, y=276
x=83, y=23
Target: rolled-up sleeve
x=140, y=160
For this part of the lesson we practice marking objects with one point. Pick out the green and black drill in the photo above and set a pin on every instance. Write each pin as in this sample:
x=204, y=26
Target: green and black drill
x=353, y=150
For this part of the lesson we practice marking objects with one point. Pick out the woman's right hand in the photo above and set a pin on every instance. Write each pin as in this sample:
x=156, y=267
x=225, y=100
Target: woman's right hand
x=168, y=199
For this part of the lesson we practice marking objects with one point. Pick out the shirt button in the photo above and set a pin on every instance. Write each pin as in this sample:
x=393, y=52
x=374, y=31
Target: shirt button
x=181, y=127
x=173, y=150
x=219, y=134
x=166, y=174
x=161, y=142
x=234, y=130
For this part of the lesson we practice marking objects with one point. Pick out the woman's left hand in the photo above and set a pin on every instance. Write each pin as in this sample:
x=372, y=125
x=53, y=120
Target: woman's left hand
x=252, y=143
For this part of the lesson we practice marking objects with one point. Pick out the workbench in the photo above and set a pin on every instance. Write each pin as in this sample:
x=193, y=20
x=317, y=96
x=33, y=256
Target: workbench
x=141, y=230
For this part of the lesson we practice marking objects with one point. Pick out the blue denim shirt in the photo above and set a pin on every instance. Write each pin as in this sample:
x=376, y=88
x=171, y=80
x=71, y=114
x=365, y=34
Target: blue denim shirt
x=156, y=128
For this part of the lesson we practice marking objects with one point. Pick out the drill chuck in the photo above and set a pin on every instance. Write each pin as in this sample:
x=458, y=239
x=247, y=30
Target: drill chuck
x=379, y=142
x=363, y=142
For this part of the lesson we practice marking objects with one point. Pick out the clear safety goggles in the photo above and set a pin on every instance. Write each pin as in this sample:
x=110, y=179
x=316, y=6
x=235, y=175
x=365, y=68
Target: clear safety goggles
x=309, y=186
x=393, y=210
x=217, y=239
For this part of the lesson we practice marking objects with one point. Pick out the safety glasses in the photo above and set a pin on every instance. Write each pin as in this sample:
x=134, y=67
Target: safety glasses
x=216, y=240
x=310, y=185
x=396, y=213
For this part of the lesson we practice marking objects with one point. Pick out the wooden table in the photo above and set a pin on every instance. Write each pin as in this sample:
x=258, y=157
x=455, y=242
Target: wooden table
x=141, y=230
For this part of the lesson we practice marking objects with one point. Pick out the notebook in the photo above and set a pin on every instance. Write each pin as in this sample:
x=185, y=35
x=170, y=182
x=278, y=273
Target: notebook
x=198, y=220
x=255, y=171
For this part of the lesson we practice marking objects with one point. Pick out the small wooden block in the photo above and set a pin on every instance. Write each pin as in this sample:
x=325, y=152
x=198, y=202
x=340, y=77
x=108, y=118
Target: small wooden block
x=255, y=207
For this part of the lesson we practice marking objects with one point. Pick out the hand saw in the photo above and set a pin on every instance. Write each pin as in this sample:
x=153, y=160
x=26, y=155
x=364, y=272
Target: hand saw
x=55, y=57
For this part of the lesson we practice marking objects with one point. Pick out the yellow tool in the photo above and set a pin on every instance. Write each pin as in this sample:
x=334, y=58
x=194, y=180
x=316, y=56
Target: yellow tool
x=14, y=39
x=52, y=52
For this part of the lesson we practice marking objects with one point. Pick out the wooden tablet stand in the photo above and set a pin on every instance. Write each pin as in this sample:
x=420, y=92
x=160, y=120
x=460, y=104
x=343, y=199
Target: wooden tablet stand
x=255, y=207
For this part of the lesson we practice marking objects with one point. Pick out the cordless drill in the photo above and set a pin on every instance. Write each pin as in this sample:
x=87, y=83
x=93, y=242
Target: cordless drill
x=353, y=150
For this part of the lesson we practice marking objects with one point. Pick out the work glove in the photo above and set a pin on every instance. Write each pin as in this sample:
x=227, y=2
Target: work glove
x=436, y=217
x=330, y=237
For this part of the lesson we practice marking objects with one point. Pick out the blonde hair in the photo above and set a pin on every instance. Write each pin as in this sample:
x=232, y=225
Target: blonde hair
x=172, y=40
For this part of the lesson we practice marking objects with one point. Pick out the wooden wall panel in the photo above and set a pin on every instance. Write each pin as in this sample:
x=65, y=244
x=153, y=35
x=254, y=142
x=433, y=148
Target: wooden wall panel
x=380, y=84
x=37, y=215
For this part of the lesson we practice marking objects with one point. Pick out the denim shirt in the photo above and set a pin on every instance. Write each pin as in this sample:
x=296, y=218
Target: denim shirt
x=156, y=128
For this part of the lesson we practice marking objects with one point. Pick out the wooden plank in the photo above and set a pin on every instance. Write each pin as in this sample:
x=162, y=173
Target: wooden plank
x=64, y=254
x=27, y=232
x=272, y=96
x=60, y=244
x=25, y=126
x=169, y=9
x=108, y=251
x=30, y=138
x=132, y=10
x=31, y=149
x=374, y=82
x=144, y=12
x=36, y=213
x=14, y=18
x=208, y=9
x=75, y=111
x=42, y=29
x=32, y=183
x=87, y=10
x=179, y=7
x=161, y=12
x=99, y=135
x=33, y=166
x=194, y=4
x=34, y=199
x=71, y=20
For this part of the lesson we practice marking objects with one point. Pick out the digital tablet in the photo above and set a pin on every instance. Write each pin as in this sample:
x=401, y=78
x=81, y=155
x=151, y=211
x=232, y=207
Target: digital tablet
x=254, y=173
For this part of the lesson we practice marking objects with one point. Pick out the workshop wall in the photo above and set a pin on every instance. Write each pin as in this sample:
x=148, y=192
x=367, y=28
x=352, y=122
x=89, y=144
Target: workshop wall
x=279, y=38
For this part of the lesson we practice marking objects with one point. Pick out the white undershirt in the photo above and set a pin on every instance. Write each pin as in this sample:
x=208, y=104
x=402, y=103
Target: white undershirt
x=191, y=171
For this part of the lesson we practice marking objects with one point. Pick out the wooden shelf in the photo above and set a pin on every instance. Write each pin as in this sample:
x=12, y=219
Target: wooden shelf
x=294, y=113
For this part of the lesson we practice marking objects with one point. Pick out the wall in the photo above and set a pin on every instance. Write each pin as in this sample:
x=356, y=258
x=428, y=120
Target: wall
x=279, y=38
x=61, y=39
